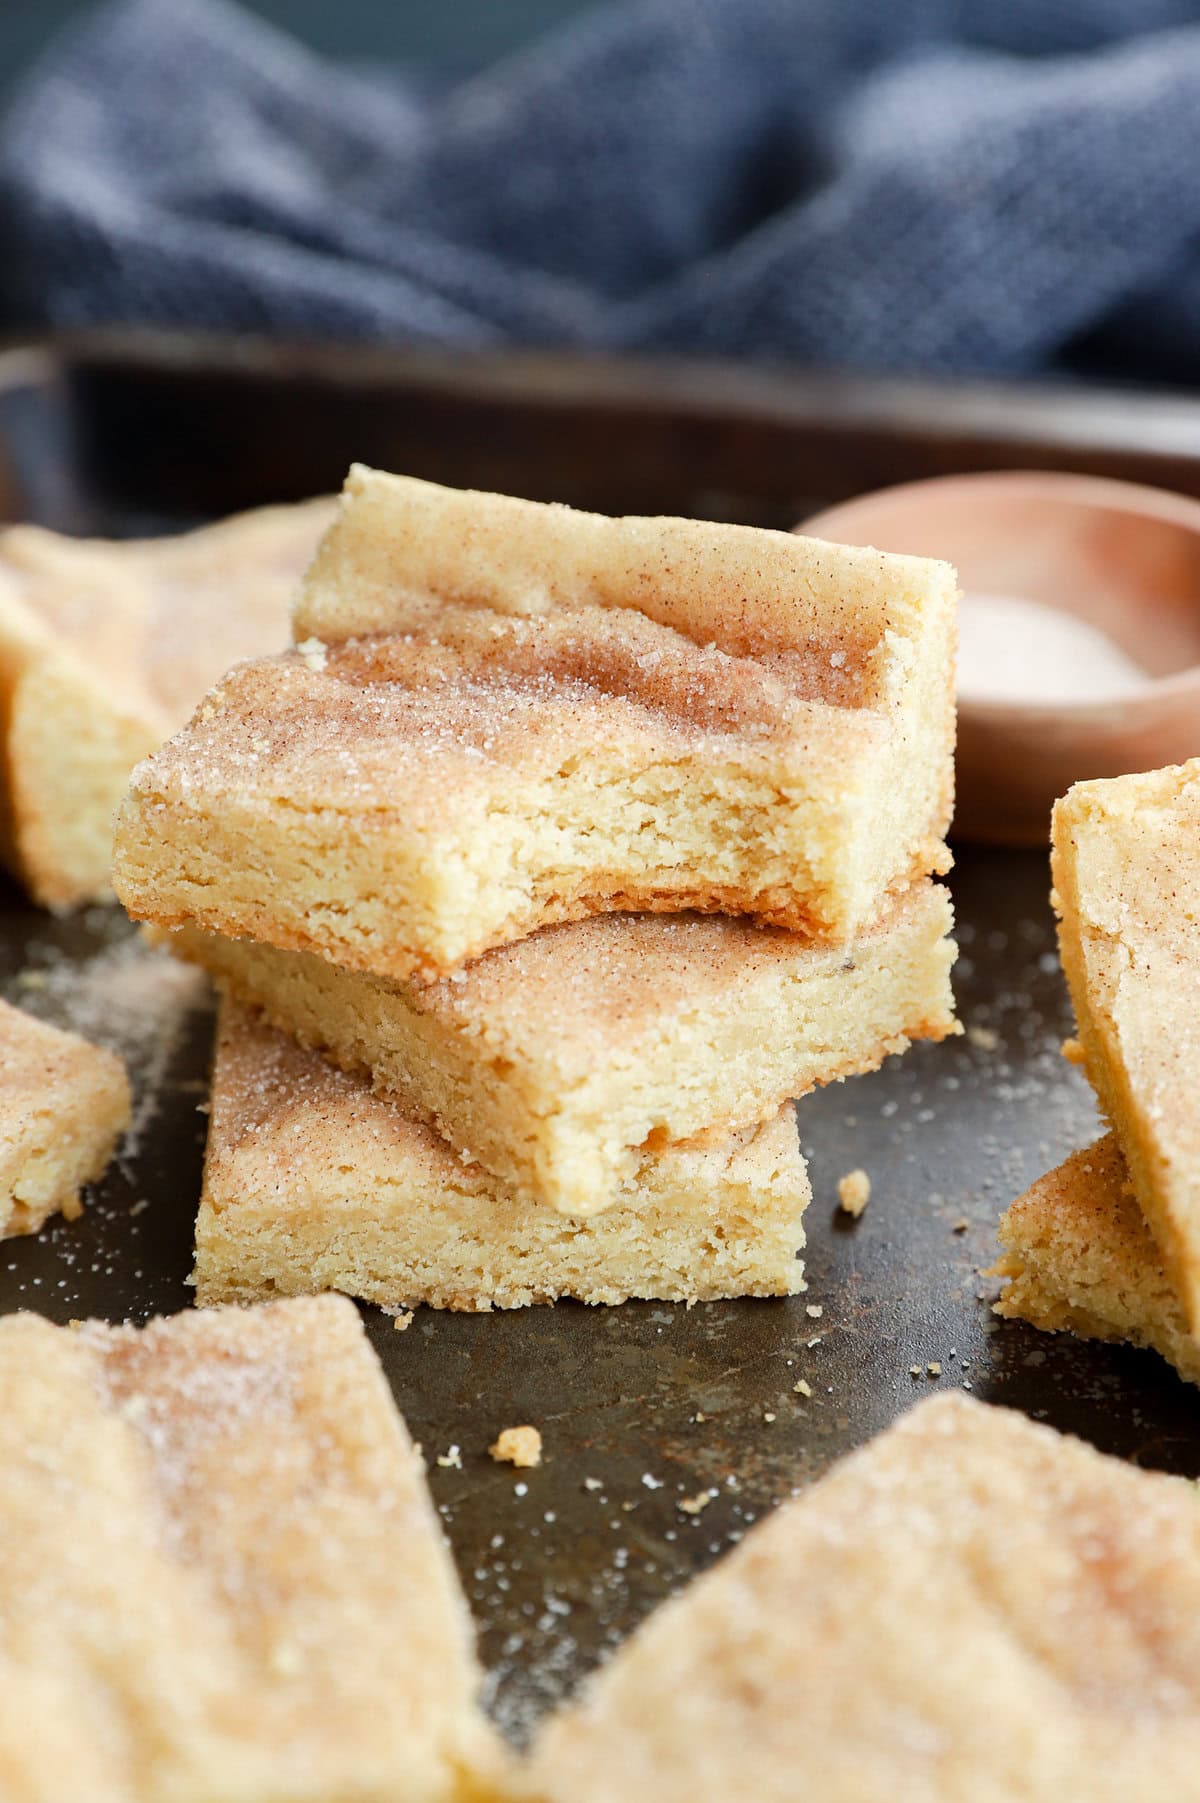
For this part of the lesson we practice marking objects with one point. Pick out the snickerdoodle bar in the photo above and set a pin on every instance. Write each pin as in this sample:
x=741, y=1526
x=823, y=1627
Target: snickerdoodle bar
x=558, y=1062
x=1126, y=865
x=312, y=1182
x=105, y=649
x=64, y=1103
x=973, y=1609
x=501, y=715
x=1079, y=1258
x=221, y=1577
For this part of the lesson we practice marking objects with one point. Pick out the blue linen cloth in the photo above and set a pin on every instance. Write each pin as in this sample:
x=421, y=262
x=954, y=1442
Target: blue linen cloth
x=988, y=186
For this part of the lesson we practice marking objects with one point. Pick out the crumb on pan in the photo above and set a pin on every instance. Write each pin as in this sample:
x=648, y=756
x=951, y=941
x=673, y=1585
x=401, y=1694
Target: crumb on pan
x=854, y=1192
x=521, y=1446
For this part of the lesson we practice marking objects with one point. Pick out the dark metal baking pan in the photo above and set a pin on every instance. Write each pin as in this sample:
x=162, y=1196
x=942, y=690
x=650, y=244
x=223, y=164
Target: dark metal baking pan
x=655, y=1402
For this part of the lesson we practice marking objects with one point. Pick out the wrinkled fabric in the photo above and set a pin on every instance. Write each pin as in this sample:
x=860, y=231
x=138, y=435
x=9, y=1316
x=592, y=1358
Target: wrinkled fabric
x=983, y=186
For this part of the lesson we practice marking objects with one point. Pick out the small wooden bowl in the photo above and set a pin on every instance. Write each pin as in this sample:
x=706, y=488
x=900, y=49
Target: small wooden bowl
x=1122, y=557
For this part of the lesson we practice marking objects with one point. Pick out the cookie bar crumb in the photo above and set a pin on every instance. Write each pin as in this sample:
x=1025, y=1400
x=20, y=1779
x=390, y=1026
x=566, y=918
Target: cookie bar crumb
x=854, y=1192
x=520, y=1446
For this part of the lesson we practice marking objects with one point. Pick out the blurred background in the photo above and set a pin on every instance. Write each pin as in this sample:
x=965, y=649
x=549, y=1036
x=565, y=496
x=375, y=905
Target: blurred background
x=996, y=188
x=475, y=29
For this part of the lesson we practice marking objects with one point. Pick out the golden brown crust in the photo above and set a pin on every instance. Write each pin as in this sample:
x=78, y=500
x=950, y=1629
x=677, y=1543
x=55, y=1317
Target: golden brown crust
x=400, y=546
x=1127, y=889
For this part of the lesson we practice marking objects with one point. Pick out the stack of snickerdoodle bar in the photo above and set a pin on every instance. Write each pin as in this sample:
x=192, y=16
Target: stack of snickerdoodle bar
x=555, y=858
x=1108, y=1244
